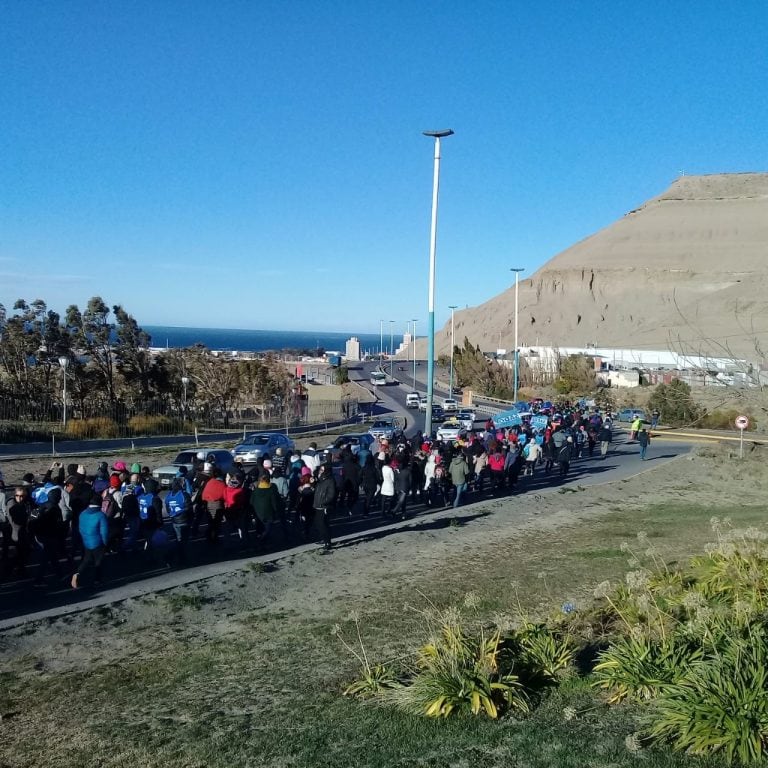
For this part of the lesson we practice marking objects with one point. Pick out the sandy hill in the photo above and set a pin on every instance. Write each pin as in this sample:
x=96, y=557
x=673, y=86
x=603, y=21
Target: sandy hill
x=688, y=270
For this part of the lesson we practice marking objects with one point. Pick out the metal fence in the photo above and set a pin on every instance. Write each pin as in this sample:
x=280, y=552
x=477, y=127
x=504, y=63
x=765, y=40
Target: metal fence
x=36, y=420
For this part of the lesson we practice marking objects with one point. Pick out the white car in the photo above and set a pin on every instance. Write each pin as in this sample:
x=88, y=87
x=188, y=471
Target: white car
x=423, y=404
x=412, y=400
x=451, y=430
x=450, y=405
x=466, y=419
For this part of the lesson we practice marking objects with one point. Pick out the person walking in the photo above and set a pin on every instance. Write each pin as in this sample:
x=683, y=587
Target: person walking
x=605, y=438
x=565, y=456
x=178, y=505
x=644, y=438
x=94, y=531
x=325, y=498
x=459, y=472
x=267, y=505
x=387, y=485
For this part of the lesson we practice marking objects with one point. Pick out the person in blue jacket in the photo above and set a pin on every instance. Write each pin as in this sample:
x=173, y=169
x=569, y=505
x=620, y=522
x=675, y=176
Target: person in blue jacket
x=94, y=530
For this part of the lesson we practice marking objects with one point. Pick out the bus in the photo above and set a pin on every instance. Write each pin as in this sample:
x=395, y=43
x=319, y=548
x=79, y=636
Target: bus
x=378, y=379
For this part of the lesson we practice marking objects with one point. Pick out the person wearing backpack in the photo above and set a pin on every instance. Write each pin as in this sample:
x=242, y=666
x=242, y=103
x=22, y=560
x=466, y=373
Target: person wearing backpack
x=111, y=506
x=178, y=505
x=46, y=525
x=150, y=510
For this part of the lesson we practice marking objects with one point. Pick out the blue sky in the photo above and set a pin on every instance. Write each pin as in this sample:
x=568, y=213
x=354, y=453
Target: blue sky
x=261, y=164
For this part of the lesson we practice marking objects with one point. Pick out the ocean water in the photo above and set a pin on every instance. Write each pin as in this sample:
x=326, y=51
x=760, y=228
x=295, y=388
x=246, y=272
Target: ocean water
x=231, y=339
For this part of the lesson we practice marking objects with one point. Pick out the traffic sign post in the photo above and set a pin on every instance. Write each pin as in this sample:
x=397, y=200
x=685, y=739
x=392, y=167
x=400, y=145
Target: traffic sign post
x=742, y=422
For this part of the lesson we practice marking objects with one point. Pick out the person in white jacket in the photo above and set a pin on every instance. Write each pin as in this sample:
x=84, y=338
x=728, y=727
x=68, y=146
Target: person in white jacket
x=387, y=486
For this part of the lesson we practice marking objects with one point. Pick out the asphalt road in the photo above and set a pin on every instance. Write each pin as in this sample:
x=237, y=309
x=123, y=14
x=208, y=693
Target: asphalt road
x=125, y=572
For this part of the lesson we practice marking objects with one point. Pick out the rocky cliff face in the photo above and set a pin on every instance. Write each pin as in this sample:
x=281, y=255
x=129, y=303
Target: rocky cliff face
x=688, y=270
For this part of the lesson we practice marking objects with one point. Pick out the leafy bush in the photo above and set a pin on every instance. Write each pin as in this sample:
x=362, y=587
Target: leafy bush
x=675, y=404
x=721, y=706
x=640, y=668
x=542, y=654
x=459, y=673
x=724, y=420
x=80, y=429
x=155, y=425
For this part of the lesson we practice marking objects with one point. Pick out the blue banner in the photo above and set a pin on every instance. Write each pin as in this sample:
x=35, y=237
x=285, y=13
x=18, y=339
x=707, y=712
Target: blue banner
x=509, y=418
x=539, y=422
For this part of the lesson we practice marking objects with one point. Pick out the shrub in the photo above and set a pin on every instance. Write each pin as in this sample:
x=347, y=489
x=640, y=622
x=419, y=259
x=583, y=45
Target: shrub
x=101, y=426
x=640, y=668
x=724, y=420
x=460, y=673
x=542, y=654
x=675, y=404
x=155, y=425
x=721, y=706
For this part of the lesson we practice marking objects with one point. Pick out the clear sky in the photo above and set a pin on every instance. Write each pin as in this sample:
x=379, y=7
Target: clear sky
x=261, y=164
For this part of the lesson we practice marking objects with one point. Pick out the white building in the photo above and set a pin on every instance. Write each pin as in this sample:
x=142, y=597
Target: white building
x=353, y=349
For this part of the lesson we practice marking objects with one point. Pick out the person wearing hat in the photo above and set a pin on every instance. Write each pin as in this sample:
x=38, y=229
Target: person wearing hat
x=119, y=466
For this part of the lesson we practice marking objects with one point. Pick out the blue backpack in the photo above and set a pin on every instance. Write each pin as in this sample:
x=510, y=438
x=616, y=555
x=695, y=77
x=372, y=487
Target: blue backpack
x=145, y=504
x=177, y=504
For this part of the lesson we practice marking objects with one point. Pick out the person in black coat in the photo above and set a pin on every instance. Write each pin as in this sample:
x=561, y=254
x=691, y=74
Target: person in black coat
x=350, y=477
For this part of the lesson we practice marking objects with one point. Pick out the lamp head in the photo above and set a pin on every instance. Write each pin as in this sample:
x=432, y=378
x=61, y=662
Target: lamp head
x=439, y=134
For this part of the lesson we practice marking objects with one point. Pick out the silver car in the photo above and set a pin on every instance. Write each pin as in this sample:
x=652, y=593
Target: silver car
x=218, y=456
x=257, y=444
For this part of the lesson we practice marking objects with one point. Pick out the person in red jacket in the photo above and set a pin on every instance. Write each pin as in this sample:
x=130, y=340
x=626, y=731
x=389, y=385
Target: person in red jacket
x=213, y=498
x=235, y=503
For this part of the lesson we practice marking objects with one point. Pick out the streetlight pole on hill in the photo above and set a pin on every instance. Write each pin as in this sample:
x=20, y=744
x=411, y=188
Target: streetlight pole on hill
x=452, y=307
x=517, y=271
x=391, y=349
x=414, y=353
x=381, y=345
x=436, y=135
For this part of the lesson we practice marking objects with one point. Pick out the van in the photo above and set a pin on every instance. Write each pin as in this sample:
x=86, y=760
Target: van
x=412, y=400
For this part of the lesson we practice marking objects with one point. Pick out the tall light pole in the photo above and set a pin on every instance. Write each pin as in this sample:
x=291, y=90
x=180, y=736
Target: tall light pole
x=381, y=345
x=184, y=383
x=517, y=271
x=453, y=344
x=392, y=349
x=436, y=135
x=414, y=354
x=64, y=362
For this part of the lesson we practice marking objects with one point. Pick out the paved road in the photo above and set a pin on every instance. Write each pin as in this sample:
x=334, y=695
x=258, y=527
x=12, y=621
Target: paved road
x=125, y=573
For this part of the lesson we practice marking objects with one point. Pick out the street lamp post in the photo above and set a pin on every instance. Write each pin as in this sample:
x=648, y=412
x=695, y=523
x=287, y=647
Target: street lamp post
x=392, y=349
x=436, y=135
x=453, y=344
x=64, y=362
x=381, y=344
x=414, y=354
x=184, y=383
x=517, y=271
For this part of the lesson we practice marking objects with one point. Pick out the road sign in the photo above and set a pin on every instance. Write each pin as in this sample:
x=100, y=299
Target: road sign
x=742, y=422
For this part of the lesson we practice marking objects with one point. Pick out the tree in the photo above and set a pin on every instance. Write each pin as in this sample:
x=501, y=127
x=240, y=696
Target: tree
x=341, y=375
x=576, y=374
x=675, y=404
x=92, y=334
x=131, y=353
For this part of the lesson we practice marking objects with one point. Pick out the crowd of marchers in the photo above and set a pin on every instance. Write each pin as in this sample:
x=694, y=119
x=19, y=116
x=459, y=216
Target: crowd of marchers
x=70, y=524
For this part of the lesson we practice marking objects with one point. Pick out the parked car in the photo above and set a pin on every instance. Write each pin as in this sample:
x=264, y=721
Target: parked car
x=451, y=429
x=450, y=405
x=259, y=443
x=384, y=429
x=412, y=400
x=356, y=441
x=630, y=414
x=187, y=458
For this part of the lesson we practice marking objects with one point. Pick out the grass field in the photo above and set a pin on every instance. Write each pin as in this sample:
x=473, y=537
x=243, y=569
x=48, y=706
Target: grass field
x=265, y=690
